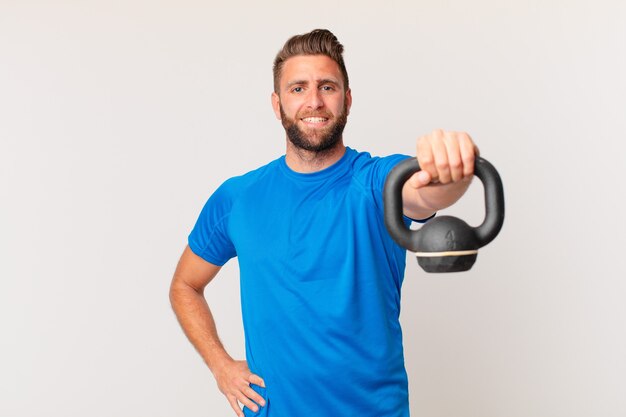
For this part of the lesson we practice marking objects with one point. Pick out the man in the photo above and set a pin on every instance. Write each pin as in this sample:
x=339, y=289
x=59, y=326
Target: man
x=320, y=276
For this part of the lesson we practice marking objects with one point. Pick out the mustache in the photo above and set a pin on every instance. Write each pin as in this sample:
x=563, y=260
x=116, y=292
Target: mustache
x=324, y=114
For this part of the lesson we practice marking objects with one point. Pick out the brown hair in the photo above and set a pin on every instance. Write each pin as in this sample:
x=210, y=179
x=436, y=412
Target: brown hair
x=316, y=42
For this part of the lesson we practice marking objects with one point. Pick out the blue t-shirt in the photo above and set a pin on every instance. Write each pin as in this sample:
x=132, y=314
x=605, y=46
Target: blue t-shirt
x=320, y=285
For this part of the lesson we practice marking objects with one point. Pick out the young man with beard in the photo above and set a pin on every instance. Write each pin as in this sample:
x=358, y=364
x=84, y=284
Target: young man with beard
x=320, y=276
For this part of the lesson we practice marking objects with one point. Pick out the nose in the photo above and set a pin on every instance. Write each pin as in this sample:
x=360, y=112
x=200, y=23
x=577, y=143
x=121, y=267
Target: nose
x=315, y=99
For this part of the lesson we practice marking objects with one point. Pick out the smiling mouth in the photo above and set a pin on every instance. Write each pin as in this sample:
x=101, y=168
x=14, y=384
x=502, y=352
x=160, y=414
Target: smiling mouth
x=314, y=119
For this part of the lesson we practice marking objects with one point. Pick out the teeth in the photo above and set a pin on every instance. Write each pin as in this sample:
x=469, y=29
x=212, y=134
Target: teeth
x=314, y=119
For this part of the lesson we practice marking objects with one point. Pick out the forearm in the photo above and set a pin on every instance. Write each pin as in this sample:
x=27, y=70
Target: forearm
x=439, y=196
x=195, y=318
x=421, y=203
x=233, y=377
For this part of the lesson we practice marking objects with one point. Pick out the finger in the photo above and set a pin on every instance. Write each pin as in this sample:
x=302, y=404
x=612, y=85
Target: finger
x=256, y=380
x=468, y=154
x=455, y=163
x=419, y=179
x=425, y=156
x=243, y=399
x=440, y=155
x=235, y=405
x=254, y=396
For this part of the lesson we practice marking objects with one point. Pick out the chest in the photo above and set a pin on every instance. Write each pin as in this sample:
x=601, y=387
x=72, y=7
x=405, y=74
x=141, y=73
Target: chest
x=308, y=230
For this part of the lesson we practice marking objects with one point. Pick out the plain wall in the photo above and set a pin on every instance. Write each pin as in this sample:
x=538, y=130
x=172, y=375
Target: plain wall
x=119, y=118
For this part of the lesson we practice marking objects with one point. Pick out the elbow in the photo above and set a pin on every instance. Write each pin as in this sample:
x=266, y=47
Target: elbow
x=181, y=291
x=177, y=291
x=173, y=293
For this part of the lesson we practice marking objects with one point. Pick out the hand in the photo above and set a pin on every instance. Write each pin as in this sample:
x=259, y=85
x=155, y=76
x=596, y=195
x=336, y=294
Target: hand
x=234, y=379
x=444, y=157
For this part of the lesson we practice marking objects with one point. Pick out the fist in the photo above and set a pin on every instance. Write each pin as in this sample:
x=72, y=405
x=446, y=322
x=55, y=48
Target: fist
x=444, y=157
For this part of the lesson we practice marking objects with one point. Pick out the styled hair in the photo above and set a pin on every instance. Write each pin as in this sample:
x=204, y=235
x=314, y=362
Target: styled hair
x=316, y=42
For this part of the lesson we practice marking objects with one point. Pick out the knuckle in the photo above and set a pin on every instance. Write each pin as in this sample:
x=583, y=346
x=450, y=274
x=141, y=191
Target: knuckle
x=468, y=160
x=450, y=140
x=442, y=165
x=426, y=157
x=456, y=163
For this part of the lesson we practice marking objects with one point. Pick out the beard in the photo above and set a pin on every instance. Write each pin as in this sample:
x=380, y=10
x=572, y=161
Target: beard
x=317, y=140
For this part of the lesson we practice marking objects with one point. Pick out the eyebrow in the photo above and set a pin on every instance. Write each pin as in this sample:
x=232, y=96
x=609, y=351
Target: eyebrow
x=319, y=82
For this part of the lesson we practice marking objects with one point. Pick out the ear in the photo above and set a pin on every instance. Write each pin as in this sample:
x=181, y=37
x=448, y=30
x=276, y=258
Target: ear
x=348, y=101
x=276, y=105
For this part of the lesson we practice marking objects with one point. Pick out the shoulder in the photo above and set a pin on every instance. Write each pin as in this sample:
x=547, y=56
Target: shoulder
x=218, y=206
x=373, y=170
x=235, y=185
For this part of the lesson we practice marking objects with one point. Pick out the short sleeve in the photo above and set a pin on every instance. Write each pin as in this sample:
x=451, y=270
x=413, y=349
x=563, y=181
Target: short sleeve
x=209, y=238
x=384, y=165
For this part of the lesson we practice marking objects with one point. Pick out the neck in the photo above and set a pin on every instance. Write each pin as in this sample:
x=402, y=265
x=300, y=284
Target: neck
x=303, y=161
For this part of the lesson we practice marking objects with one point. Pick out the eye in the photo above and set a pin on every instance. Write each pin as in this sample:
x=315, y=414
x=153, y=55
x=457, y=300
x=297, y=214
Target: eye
x=297, y=90
x=327, y=88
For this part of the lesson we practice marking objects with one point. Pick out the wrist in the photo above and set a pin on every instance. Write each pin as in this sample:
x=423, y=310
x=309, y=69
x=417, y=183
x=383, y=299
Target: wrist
x=219, y=361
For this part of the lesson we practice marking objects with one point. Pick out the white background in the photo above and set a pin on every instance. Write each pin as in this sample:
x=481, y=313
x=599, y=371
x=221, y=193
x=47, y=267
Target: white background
x=119, y=118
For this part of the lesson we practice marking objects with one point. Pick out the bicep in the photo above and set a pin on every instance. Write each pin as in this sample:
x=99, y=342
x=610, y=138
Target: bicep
x=193, y=271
